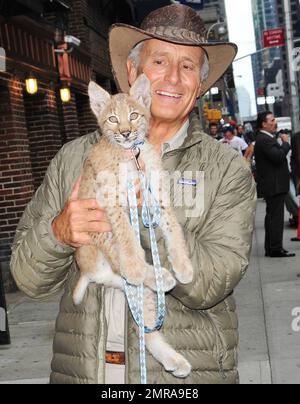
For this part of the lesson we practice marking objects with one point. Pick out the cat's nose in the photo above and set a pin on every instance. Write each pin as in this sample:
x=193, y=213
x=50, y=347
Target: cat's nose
x=126, y=134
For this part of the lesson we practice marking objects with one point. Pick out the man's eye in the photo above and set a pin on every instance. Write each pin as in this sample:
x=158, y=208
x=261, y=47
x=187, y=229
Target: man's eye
x=113, y=119
x=188, y=67
x=134, y=116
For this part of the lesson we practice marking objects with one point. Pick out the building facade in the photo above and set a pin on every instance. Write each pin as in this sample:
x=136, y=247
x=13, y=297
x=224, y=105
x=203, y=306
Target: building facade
x=267, y=70
x=295, y=16
x=34, y=127
x=214, y=16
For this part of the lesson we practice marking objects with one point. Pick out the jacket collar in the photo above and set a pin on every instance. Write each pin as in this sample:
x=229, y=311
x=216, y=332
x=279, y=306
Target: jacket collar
x=195, y=135
x=263, y=132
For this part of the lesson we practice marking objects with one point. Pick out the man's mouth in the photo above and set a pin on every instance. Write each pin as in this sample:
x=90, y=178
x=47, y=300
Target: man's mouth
x=168, y=94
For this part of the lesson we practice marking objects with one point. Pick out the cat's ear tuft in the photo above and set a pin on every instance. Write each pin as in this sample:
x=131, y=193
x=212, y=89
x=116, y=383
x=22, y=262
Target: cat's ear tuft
x=99, y=98
x=141, y=91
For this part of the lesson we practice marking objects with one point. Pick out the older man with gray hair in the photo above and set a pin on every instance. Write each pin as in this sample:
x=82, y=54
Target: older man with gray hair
x=95, y=342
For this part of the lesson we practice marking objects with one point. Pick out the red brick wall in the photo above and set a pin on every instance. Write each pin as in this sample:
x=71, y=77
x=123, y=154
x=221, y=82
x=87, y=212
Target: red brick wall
x=86, y=119
x=43, y=130
x=77, y=21
x=16, y=181
x=69, y=119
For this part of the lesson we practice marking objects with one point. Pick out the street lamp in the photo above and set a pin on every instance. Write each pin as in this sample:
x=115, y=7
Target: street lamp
x=222, y=30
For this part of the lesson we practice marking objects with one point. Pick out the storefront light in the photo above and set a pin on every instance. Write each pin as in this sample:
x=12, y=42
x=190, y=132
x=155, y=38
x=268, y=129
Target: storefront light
x=65, y=94
x=31, y=85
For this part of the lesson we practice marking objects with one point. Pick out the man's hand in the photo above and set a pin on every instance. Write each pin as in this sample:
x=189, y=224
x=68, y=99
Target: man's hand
x=78, y=218
x=249, y=152
x=285, y=138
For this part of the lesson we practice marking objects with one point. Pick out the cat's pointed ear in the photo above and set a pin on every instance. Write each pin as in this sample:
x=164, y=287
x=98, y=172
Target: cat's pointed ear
x=99, y=98
x=141, y=91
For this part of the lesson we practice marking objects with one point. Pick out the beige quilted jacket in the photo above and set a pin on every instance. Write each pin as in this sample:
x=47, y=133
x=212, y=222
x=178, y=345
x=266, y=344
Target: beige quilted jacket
x=201, y=321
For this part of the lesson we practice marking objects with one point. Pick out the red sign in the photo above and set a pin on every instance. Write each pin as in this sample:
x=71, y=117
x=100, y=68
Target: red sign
x=261, y=92
x=274, y=37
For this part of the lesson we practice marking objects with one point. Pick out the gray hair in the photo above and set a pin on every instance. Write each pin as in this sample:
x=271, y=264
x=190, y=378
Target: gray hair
x=135, y=57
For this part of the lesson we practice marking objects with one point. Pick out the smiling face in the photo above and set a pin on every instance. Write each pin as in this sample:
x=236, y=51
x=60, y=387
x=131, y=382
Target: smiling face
x=174, y=74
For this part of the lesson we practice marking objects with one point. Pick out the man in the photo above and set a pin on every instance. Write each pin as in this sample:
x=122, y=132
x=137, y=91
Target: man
x=214, y=131
x=233, y=141
x=273, y=180
x=170, y=48
x=240, y=131
x=246, y=136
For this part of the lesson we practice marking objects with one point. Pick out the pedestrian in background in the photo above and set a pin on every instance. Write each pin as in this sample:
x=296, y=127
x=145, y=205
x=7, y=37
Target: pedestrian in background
x=214, y=131
x=273, y=180
x=233, y=141
x=246, y=136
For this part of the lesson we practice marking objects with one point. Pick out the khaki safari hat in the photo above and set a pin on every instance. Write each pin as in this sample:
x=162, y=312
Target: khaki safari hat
x=177, y=24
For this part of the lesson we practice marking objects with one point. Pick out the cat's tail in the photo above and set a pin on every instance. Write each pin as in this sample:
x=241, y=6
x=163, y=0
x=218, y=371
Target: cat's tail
x=80, y=289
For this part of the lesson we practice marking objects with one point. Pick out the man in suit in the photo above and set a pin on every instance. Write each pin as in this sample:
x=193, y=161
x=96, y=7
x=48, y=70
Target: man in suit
x=273, y=180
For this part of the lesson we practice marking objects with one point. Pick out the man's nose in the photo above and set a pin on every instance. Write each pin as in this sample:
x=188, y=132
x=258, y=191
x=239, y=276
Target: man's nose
x=173, y=74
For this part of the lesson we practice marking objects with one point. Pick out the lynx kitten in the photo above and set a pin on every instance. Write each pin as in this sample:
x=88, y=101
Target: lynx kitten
x=124, y=120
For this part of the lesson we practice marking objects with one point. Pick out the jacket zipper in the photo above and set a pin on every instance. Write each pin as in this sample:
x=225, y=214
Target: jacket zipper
x=101, y=351
x=220, y=348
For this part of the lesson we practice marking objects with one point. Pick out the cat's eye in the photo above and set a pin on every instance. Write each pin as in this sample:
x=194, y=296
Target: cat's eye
x=113, y=119
x=134, y=116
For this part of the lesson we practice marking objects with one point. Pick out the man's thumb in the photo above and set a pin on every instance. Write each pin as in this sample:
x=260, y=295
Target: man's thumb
x=74, y=194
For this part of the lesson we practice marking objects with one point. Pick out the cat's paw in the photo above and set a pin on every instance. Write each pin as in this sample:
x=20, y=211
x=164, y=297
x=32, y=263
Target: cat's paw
x=169, y=282
x=183, y=270
x=134, y=270
x=177, y=365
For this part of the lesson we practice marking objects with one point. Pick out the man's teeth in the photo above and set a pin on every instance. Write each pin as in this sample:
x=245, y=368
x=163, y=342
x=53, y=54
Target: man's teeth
x=165, y=93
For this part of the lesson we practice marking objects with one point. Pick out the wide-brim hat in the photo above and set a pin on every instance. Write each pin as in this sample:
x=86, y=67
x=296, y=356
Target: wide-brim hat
x=176, y=24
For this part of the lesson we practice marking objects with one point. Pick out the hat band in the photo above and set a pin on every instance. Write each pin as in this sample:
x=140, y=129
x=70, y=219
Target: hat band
x=177, y=34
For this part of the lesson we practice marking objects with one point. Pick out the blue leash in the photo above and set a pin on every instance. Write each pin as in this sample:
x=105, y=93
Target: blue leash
x=151, y=215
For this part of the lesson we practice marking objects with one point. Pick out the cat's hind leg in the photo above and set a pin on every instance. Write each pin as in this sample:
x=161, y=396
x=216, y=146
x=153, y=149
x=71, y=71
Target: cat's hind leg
x=171, y=360
x=156, y=344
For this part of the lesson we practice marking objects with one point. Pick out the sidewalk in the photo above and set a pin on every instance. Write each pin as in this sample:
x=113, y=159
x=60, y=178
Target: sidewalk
x=269, y=349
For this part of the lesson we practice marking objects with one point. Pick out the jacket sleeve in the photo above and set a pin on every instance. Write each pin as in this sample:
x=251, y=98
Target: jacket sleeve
x=220, y=251
x=39, y=263
x=274, y=152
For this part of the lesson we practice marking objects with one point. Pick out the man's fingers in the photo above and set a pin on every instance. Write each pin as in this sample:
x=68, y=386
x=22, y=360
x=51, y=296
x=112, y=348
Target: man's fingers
x=95, y=216
x=92, y=227
x=99, y=227
x=74, y=194
x=85, y=204
x=89, y=204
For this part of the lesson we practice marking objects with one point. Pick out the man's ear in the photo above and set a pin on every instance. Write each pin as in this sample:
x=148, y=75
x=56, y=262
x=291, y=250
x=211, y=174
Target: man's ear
x=141, y=91
x=199, y=90
x=132, y=72
x=99, y=98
